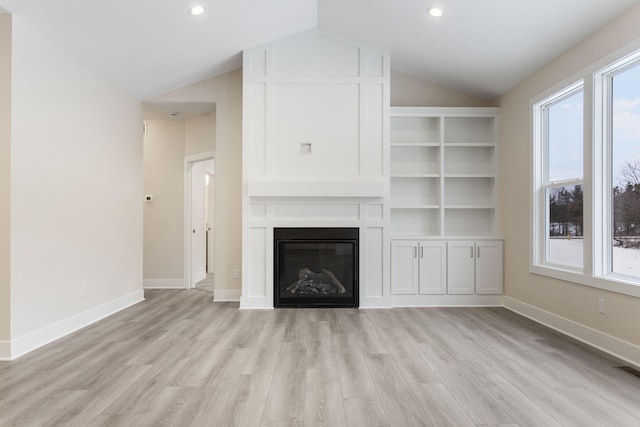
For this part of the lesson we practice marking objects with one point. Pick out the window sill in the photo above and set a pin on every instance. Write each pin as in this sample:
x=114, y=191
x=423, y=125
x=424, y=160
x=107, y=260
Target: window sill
x=611, y=284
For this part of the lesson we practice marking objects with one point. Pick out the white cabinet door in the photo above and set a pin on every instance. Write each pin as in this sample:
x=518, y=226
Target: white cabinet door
x=404, y=267
x=433, y=268
x=461, y=267
x=489, y=267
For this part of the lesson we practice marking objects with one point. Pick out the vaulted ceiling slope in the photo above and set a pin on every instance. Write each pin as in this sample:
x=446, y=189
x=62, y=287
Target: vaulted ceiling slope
x=482, y=47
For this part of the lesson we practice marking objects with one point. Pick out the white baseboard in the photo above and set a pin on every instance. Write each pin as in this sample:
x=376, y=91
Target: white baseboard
x=163, y=284
x=624, y=350
x=36, y=339
x=448, y=301
x=252, y=303
x=375, y=302
x=5, y=351
x=220, y=295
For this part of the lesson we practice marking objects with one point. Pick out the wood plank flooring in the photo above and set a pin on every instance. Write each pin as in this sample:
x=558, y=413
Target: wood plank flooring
x=179, y=359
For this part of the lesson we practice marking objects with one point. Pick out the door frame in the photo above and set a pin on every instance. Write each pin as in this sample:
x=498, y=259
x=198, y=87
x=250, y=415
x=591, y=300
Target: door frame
x=211, y=214
x=188, y=161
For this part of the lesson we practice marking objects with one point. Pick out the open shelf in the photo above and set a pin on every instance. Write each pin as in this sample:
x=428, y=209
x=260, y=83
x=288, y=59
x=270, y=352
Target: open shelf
x=415, y=130
x=469, y=222
x=469, y=130
x=443, y=172
x=417, y=191
x=415, y=221
x=469, y=192
x=469, y=160
x=415, y=160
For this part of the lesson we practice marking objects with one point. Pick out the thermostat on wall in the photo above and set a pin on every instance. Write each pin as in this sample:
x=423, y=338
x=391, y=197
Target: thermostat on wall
x=148, y=198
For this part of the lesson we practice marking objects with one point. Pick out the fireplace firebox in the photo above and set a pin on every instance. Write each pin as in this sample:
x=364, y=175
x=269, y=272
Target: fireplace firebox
x=315, y=267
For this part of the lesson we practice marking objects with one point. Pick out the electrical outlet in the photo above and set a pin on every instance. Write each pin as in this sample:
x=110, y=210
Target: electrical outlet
x=83, y=290
x=601, y=305
x=236, y=273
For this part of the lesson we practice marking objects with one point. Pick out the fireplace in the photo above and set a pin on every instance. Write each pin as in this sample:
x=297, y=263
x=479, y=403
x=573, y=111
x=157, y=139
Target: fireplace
x=315, y=267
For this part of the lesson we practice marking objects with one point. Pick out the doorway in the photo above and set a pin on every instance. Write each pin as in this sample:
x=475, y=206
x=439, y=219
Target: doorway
x=199, y=232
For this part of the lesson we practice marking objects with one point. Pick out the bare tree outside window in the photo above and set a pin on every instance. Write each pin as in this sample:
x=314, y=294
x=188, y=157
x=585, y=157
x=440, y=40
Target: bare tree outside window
x=625, y=194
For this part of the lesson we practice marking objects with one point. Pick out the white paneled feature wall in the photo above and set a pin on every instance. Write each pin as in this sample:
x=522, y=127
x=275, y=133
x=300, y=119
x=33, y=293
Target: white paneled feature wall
x=315, y=153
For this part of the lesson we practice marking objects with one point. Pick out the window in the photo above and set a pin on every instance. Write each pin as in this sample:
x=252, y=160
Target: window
x=560, y=191
x=586, y=179
x=623, y=114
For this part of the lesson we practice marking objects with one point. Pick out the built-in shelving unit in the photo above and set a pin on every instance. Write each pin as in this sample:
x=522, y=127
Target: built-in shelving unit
x=443, y=172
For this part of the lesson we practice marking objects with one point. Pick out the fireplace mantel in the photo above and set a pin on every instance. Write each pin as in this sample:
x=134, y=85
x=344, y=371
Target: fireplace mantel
x=302, y=188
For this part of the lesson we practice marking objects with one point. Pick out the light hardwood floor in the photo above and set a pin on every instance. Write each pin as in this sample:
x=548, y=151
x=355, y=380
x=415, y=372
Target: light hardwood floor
x=179, y=359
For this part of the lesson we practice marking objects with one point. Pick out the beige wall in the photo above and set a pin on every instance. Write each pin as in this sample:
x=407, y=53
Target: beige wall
x=570, y=301
x=76, y=192
x=200, y=134
x=226, y=92
x=409, y=91
x=166, y=145
x=5, y=177
x=164, y=151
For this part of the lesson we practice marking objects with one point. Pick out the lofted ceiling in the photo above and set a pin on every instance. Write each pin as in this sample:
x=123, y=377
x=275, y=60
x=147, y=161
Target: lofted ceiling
x=481, y=47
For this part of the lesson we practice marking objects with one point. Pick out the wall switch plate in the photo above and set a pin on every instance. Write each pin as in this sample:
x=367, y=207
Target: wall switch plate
x=148, y=198
x=602, y=305
x=236, y=274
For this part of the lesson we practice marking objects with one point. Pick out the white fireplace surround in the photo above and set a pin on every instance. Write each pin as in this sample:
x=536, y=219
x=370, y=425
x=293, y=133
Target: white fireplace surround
x=267, y=213
x=315, y=154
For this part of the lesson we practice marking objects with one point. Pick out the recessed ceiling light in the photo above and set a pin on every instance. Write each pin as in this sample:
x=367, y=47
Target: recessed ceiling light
x=197, y=10
x=435, y=12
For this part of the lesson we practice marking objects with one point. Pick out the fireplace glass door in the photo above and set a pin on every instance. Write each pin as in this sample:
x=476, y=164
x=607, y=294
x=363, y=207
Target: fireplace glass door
x=316, y=267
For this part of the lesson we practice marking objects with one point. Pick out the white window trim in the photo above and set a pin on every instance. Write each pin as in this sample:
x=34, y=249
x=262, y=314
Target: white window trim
x=540, y=178
x=596, y=202
x=603, y=144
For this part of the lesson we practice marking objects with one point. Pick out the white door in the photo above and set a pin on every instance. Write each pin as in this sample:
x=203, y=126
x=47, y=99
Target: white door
x=489, y=267
x=404, y=267
x=461, y=267
x=433, y=268
x=198, y=222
